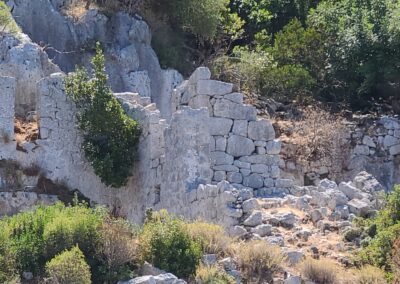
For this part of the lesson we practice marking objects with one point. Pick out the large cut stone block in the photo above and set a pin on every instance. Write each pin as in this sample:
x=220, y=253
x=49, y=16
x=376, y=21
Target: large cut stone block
x=220, y=126
x=261, y=130
x=229, y=109
x=239, y=146
x=212, y=87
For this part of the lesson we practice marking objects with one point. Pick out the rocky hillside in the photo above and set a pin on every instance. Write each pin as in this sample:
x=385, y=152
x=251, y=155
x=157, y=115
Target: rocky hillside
x=289, y=195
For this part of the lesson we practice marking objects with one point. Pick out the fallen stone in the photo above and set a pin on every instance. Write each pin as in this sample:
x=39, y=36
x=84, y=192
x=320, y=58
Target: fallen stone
x=254, y=219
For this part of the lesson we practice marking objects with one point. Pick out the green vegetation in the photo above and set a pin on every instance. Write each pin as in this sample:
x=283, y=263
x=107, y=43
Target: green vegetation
x=340, y=51
x=166, y=243
x=7, y=23
x=110, y=136
x=380, y=235
x=69, y=267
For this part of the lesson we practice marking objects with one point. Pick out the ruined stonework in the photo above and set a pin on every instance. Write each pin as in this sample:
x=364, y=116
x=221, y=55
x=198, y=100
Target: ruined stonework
x=183, y=164
x=243, y=148
x=132, y=64
x=369, y=144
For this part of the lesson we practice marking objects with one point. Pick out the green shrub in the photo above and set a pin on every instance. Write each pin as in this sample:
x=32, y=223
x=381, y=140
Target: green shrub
x=69, y=267
x=8, y=271
x=166, y=244
x=110, y=136
x=37, y=236
x=384, y=229
x=213, y=275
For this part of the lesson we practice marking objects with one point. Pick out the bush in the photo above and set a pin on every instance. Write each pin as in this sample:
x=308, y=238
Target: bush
x=110, y=136
x=165, y=242
x=213, y=275
x=69, y=267
x=258, y=260
x=320, y=271
x=379, y=251
x=8, y=271
x=117, y=250
x=370, y=275
x=212, y=237
x=36, y=237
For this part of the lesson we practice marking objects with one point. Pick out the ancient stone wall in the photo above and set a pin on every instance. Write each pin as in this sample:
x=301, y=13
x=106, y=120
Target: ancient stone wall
x=243, y=148
x=370, y=144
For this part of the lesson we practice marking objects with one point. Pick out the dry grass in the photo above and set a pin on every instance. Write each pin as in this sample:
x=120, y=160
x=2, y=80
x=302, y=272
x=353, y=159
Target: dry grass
x=317, y=136
x=321, y=271
x=25, y=131
x=212, y=275
x=258, y=261
x=369, y=275
x=119, y=245
x=211, y=236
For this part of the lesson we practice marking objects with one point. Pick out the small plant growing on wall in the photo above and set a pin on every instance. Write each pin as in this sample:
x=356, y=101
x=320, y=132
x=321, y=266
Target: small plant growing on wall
x=110, y=136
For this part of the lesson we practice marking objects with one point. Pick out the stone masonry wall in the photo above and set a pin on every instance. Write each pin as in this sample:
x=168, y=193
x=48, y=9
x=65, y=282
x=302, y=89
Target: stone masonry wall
x=243, y=148
x=371, y=144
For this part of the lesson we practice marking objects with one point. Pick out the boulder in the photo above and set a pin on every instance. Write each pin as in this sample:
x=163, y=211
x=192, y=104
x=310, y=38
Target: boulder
x=262, y=230
x=358, y=207
x=254, y=219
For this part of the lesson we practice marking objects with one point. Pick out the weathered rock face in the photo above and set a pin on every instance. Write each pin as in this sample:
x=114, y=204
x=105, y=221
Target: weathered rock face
x=132, y=64
x=24, y=61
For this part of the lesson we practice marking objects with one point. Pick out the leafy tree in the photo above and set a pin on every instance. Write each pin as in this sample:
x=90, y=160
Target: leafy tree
x=110, y=136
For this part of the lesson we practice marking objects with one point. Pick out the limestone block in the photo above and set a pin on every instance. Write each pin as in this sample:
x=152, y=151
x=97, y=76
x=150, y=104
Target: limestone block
x=269, y=160
x=259, y=168
x=239, y=146
x=226, y=168
x=358, y=207
x=389, y=141
x=262, y=230
x=367, y=140
x=220, y=126
x=261, y=151
x=237, y=232
x=219, y=176
x=361, y=150
x=274, y=147
x=261, y=130
x=242, y=165
x=235, y=97
x=254, y=219
x=394, y=150
x=200, y=101
x=284, y=183
x=235, y=177
x=229, y=109
x=221, y=158
x=212, y=87
x=250, y=205
x=240, y=127
x=201, y=73
x=349, y=190
x=253, y=181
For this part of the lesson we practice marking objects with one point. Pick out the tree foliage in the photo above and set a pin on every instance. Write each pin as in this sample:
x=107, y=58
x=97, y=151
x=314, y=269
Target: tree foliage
x=110, y=136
